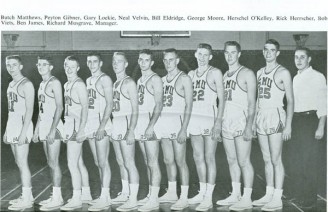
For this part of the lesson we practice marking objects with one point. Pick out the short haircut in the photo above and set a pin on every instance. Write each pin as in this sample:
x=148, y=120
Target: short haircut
x=96, y=54
x=15, y=57
x=274, y=42
x=73, y=58
x=147, y=52
x=171, y=50
x=47, y=58
x=232, y=43
x=120, y=54
x=205, y=46
x=306, y=50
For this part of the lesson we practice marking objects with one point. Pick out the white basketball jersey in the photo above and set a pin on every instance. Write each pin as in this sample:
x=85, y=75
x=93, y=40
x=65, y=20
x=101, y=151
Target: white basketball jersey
x=145, y=97
x=204, y=97
x=16, y=103
x=269, y=94
x=173, y=103
x=97, y=101
x=72, y=108
x=233, y=93
x=47, y=104
x=122, y=105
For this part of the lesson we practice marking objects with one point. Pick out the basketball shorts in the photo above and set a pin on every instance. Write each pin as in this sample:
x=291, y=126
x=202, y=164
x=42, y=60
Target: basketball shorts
x=143, y=122
x=14, y=128
x=93, y=124
x=270, y=121
x=233, y=122
x=71, y=127
x=44, y=129
x=120, y=128
x=169, y=126
x=201, y=124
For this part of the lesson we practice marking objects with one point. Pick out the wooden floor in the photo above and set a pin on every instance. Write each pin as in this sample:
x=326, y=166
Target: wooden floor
x=11, y=187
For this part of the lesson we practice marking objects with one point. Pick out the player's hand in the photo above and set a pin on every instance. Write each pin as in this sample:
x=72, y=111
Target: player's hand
x=35, y=137
x=21, y=139
x=319, y=133
x=130, y=139
x=182, y=136
x=51, y=137
x=5, y=137
x=100, y=134
x=216, y=132
x=149, y=133
x=80, y=136
x=248, y=134
x=286, y=133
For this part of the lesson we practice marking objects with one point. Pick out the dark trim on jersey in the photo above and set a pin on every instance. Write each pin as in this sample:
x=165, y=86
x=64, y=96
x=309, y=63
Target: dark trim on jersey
x=245, y=115
x=70, y=90
x=278, y=129
x=73, y=136
x=99, y=118
x=274, y=69
x=127, y=128
x=209, y=68
x=214, y=115
x=242, y=67
x=181, y=122
x=238, y=69
x=146, y=82
x=175, y=88
x=101, y=75
x=18, y=84
x=275, y=80
x=173, y=77
x=150, y=76
x=121, y=87
x=45, y=87
x=207, y=80
x=194, y=71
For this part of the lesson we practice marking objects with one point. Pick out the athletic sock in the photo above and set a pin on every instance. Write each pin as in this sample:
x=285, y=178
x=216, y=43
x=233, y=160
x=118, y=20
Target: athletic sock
x=236, y=188
x=269, y=190
x=202, y=187
x=133, y=192
x=184, y=192
x=154, y=192
x=247, y=193
x=172, y=187
x=125, y=187
x=209, y=190
x=27, y=193
x=56, y=193
x=104, y=192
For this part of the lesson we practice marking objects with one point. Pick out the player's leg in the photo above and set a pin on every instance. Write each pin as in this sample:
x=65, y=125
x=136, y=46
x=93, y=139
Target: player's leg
x=86, y=193
x=180, y=158
x=92, y=144
x=198, y=146
x=142, y=145
x=243, y=150
x=269, y=171
x=171, y=169
x=123, y=195
x=276, y=144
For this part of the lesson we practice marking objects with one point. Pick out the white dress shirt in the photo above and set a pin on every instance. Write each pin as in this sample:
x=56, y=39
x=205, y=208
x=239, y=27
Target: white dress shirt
x=310, y=92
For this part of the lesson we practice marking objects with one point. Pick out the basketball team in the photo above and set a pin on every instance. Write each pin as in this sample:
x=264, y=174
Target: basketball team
x=203, y=105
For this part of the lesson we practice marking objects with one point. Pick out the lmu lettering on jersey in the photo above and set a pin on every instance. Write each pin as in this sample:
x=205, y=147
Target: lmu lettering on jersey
x=12, y=97
x=141, y=93
x=92, y=94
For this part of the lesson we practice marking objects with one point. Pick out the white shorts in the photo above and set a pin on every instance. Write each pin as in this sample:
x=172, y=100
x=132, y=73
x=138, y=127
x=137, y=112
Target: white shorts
x=93, y=124
x=44, y=129
x=120, y=128
x=71, y=127
x=233, y=122
x=143, y=122
x=169, y=126
x=13, y=130
x=201, y=124
x=270, y=121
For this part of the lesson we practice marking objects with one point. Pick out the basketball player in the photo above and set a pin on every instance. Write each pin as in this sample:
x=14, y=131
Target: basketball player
x=273, y=124
x=150, y=97
x=238, y=117
x=125, y=117
x=76, y=113
x=205, y=123
x=19, y=128
x=173, y=123
x=98, y=125
x=49, y=127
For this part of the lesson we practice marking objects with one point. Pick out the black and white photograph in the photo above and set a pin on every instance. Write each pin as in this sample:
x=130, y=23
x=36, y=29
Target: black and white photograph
x=163, y=120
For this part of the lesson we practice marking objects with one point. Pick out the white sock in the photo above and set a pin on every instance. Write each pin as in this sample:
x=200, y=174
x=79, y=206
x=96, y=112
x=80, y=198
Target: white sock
x=172, y=187
x=209, y=190
x=149, y=190
x=236, y=188
x=104, y=192
x=247, y=193
x=125, y=187
x=184, y=192
x=86, y=191
x=77, y=194
x=133, y=192
x=269, y=190
x=154, y=192
x=56, y=193
x=27, y=193
x=277, y=194
x=202, y=188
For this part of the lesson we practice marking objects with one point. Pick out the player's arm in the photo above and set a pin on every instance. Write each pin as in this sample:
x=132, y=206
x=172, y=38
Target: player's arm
x=35, y=137
x=157, y=85
x=133, y=95
x=82, y=94
x=218, y=80
x=256, y=106
x=187, y=88
x=251, y=100
x=287, y=81
x=28, y=92
x=107, y=86
x=58, y=95
x=321, y=106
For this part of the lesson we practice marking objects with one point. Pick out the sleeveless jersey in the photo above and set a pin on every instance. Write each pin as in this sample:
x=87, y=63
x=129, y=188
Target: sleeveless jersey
x=97, y=101
x=16, y=103
x=72, y=108
x=269, y=94
x=204, y=97
x=121, y=104
x=145, y=97
x=47, y=104
x=173, y=103
x=233, y=93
